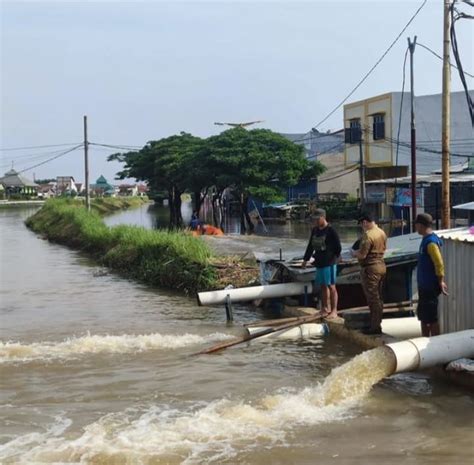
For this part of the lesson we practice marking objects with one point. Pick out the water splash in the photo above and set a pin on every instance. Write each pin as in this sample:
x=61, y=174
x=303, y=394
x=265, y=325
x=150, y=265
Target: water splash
x=100, y=344
x=219, y=430
x=355, y=378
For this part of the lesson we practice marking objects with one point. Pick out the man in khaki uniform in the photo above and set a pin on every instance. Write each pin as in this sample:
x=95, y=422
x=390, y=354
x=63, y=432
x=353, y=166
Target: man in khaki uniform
x=370, y=255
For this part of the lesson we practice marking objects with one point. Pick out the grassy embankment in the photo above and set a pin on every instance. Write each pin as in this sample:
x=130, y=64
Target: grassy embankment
x=168, y=259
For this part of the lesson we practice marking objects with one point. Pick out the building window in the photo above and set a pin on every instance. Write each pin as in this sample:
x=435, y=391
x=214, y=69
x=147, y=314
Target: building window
x=379, y=126
x=353, y=132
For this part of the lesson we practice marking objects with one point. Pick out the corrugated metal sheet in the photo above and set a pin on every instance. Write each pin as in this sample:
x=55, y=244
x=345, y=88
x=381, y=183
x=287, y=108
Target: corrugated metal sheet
x=457, y=309
x=458, y=234
x=465, y=206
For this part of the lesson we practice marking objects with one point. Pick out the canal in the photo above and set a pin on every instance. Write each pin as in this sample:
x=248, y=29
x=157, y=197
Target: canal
x=95, y=369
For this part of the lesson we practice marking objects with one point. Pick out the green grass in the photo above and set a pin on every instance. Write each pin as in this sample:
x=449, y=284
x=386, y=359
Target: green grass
x=173, y=260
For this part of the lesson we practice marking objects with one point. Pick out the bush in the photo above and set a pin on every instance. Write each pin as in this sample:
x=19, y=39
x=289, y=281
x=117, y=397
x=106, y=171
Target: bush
x=170, y=259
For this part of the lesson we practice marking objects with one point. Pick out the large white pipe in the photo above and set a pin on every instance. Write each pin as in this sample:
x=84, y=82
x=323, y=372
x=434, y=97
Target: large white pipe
x=244, y=294
x=426, y=352
x=300, y=332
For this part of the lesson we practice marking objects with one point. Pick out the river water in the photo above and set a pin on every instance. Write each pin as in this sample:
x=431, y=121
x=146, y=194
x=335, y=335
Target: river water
x=96, y=369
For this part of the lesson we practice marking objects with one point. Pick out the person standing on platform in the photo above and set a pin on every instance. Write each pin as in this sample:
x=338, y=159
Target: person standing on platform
x=430, y=276
x=324, y=245
x=373, y=270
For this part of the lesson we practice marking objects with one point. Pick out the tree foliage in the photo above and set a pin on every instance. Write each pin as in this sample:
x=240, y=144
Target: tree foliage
x=257, y=163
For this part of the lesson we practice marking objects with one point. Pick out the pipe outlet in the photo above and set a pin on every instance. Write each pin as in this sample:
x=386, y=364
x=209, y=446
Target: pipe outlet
x=424, y=352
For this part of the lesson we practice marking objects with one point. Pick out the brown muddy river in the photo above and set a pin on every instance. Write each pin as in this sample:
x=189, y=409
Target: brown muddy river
x=95, y=369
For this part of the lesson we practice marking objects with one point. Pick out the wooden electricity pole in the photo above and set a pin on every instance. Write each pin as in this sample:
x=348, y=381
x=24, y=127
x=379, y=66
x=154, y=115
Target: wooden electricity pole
x=411, y=47
x=446, y=119
x=86, y=166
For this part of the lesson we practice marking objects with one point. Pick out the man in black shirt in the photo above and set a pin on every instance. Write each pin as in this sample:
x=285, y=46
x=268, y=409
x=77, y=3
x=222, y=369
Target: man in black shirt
x=324, y=245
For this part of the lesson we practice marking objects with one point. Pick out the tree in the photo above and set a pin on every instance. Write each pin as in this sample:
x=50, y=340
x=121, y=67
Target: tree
x=257, y=163
x=164, y=164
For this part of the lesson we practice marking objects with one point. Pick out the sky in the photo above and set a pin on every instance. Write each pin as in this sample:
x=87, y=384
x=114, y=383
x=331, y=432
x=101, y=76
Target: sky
x=145, y=70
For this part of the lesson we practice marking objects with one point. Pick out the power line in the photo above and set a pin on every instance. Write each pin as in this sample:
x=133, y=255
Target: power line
x=51, y=159
x=441, y=58
x=120, y=147
x=36, y=147
x=455, y=48
x=373, y=67
x=342, y=173
x=328, y=150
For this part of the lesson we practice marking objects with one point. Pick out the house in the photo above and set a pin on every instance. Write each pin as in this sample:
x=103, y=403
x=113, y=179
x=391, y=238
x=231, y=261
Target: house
x=142, y=190
x=102, y=188
x=65, y=185
x=372, y=126
x=16, y=184
x=393, y=195
x=328, y=148
x=79, y=187
x=127, y=190
x=47, y=190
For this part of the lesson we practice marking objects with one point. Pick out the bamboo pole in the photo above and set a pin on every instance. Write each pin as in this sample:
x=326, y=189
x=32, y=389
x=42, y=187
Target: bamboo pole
x=264, y=332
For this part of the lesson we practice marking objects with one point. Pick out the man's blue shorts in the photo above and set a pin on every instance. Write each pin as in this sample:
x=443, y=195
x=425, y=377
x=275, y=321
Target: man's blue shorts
x=326, y=276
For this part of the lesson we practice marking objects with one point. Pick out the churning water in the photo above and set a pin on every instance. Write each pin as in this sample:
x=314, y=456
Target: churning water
x=210, y=432
x=97, y=344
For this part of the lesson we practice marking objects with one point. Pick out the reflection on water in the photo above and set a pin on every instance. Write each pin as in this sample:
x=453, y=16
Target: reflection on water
x=96, y=369
x=153, y=216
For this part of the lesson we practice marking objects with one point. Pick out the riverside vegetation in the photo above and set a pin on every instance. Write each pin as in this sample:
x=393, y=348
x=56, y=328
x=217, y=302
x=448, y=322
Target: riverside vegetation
x=170, y=259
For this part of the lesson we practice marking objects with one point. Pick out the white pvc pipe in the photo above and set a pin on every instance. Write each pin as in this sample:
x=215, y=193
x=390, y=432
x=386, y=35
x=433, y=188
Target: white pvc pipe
x=253, y=293
x=424, y=352
x=300, y=332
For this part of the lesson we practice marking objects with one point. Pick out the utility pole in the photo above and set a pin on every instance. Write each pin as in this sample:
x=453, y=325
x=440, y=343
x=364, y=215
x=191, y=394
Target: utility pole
x=446, y=119
x=362, y=173
x=411, y=47
x=86, y=166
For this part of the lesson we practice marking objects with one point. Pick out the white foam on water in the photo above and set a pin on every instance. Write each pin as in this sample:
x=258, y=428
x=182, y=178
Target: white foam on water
x=100, y=344
x=210, y=433
x=162, y=434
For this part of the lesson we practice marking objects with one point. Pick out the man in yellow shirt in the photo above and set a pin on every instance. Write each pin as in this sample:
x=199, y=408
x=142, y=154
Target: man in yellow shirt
x=373, y=270
x=430, y=276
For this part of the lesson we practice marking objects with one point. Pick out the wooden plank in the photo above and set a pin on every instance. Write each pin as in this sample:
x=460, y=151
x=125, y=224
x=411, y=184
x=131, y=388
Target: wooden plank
x=396, y=306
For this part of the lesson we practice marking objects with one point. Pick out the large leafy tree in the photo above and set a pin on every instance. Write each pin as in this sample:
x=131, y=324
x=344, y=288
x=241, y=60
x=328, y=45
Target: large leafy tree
x=166, y=165
x=257, y=163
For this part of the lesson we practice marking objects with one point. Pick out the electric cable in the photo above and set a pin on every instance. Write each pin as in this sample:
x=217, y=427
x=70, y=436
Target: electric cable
x=455, y=48
x=441, y=58
x=51, y=159
x=36, y=147
x=373, y=67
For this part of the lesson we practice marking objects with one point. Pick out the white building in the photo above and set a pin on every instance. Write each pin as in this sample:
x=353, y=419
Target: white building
x=379, y=116
x=65, y=185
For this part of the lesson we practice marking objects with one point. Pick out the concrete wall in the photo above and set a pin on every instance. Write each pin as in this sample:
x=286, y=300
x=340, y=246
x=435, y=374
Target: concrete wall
x=332, y=181
x=428, y=130
x=375, y=152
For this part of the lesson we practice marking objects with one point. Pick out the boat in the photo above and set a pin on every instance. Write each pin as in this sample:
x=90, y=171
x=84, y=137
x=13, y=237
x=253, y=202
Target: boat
x=401, y=258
